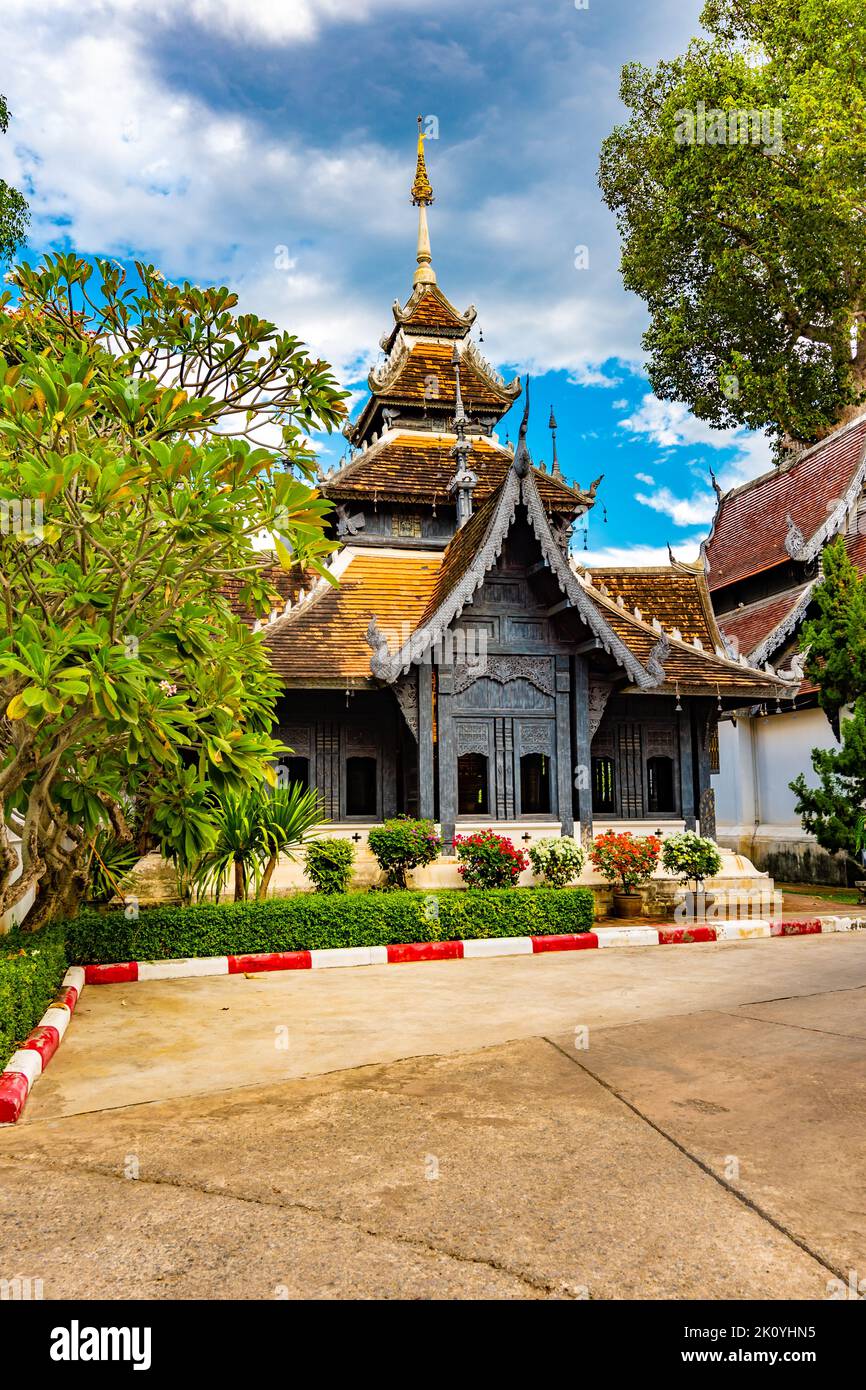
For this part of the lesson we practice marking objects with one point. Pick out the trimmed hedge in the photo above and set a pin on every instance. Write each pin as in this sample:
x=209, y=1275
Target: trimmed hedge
x=31, y=970
x=313, y=921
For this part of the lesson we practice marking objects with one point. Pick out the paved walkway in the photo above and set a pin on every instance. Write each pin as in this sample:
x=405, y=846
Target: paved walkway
x=442, y=1130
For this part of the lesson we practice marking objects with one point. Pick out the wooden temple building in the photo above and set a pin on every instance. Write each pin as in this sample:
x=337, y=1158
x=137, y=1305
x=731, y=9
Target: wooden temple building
x=466, y=668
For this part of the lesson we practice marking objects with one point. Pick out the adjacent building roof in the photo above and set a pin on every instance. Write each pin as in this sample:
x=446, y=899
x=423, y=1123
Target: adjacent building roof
x=415, y=467
x=763, y=626
x=789, y=512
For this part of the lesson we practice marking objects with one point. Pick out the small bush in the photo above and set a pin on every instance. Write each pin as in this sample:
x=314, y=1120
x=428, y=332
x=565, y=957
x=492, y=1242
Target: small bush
x=691, y=857
x=489, y=860
x=557, y=861
x=328, y=864
x=32, y=967
x=621, y=856
x=312, y=921
x=402, y=845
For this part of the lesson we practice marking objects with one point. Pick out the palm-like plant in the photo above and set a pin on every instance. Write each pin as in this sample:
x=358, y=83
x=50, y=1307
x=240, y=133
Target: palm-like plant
x=290, y=815
x=252, y=830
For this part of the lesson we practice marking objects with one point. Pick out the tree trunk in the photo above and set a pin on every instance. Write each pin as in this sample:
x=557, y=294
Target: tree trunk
x=240, y=881
x=262, y=890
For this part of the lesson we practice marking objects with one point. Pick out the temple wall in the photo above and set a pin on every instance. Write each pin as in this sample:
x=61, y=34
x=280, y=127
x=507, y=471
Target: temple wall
x=754, y=803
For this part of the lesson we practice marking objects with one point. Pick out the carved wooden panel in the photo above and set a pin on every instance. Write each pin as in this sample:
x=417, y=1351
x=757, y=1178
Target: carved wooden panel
x=537, y=735
x=660, y=742
x=298, y=737
x=473, y=736
x=504, y=733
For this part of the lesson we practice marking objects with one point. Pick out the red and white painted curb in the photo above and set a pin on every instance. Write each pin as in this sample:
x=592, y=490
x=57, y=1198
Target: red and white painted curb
x=27, y=1064
x=743, y=929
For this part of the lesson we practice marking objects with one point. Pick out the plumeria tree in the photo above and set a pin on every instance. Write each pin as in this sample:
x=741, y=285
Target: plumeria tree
x=148, y=434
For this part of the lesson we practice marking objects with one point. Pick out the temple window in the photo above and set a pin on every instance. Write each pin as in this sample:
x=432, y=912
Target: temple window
x=297, y=771
x=472, y=785
x=361, y=787
x=660, y=784
x=603, y=786
x=535, y=784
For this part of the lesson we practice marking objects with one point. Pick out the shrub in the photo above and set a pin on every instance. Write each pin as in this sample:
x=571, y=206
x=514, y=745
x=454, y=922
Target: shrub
x=111, y=867
x=691, y=857
x=32, y=967
x=557, y=861
x=312, y=921
x=328, y=864
x=401, y=845
x=621, y=856
x=489, y=860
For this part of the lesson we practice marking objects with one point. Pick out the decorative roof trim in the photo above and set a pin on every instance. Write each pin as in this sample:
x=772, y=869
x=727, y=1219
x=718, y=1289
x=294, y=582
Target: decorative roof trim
x=776, y=636
x=837, y=518
x=386, y=665
x=574, y=589
x=403, y=312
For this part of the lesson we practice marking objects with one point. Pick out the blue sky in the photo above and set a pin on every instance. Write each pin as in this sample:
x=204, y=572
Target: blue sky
x=204, y=135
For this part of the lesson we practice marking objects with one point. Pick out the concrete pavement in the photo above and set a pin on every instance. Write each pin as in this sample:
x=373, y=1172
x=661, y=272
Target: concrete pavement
x=441, y=1130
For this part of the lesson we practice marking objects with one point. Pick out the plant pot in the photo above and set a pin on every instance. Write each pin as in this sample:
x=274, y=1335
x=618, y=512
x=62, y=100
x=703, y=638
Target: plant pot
x=627, y=904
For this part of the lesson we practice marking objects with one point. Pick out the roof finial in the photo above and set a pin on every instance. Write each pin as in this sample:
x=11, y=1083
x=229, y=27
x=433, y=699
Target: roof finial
x=422, y=197
x=522, y=462
x=552, y=426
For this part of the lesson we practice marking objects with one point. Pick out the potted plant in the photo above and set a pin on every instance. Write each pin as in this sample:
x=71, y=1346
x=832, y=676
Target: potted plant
x=621, y=858
x=691, y=858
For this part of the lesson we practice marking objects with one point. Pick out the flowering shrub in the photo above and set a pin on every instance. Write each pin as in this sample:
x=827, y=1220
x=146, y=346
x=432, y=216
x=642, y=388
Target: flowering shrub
x=621, y=856
x=403, y=844
x=691, y=857
x=488, y=860
x=557, y=861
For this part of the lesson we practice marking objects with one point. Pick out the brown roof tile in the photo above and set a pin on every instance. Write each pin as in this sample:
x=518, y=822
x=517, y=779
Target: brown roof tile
x=751, y=522
x=416, y=467
x=677, y=597
x=323, y=642
x=288, y=584
x=694, y=671
x=426, y=377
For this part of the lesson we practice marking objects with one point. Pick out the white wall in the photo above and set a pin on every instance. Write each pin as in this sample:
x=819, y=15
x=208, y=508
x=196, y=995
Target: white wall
x=754, y=802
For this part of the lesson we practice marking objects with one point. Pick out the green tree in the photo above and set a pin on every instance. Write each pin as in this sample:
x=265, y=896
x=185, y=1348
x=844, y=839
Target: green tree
x=831, y=812
x=835, y=644
x=132, y=484
x=14, y=213
x=744, y=231
x=835, y=639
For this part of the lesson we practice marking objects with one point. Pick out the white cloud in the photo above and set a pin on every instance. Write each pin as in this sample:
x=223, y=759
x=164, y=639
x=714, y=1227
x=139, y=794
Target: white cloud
x=615, y=557
x=683, y=511
x=646, y=478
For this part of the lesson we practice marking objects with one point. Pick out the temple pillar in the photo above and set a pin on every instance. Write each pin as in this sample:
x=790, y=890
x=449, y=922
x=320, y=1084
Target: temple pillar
x=447, y=755
x=582, y=754
x=563, y=747
x=425, y=741
x=687, y=783
x=706, y=793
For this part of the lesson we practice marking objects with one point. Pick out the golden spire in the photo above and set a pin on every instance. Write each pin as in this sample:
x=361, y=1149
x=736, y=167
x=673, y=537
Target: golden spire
x=422, y=189
x=422, y=197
